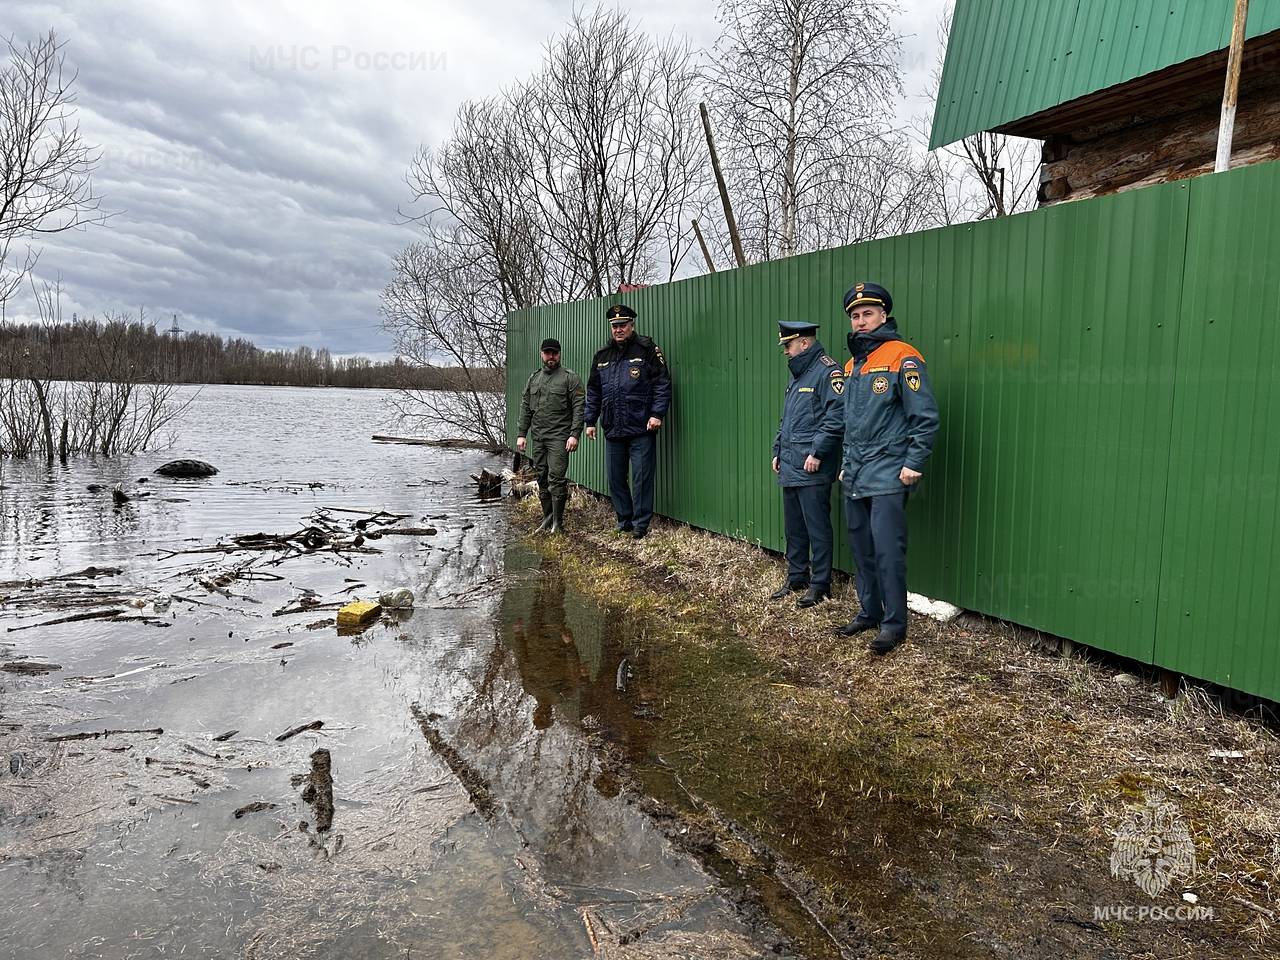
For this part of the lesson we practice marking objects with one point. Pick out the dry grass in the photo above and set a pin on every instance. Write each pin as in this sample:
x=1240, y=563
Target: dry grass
x=1003, y=733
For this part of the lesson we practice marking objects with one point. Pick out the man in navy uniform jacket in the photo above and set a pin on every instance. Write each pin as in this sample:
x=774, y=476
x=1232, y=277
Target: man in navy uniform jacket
x=629, y=393
x=806, y=458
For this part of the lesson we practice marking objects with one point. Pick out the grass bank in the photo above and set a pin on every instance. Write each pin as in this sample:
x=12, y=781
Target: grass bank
x=959, y=797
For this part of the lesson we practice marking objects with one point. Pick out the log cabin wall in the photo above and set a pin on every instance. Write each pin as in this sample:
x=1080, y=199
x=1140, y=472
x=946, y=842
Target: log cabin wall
x=1172, y=138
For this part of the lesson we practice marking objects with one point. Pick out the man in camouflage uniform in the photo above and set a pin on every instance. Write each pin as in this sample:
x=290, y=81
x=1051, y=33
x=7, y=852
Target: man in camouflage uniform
x=551, y=411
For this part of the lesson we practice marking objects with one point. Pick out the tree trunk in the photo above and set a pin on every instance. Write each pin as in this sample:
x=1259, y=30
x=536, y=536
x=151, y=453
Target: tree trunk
x=46, y=420
x=788, y=246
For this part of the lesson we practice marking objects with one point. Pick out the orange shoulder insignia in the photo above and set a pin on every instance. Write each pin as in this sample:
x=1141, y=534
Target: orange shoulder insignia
x=891, y=355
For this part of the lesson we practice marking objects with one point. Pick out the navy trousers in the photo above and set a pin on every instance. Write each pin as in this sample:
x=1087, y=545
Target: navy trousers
x=878, y=538
x=632, y=503
x=806, y=512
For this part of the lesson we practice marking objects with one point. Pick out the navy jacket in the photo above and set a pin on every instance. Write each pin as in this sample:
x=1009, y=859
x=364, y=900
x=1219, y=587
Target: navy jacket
x=629, y=383
x=890, y=416
x=812, y=421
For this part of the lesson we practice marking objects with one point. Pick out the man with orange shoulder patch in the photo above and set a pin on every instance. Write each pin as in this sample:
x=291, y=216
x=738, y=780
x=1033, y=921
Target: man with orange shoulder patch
x=890, y=420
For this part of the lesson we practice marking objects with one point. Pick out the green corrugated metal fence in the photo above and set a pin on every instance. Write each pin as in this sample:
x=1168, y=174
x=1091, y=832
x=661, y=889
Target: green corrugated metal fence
x=1010, y=59
x=1108, y=464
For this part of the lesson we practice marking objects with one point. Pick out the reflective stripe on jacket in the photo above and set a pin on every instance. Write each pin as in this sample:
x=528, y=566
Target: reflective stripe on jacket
x=890, y=415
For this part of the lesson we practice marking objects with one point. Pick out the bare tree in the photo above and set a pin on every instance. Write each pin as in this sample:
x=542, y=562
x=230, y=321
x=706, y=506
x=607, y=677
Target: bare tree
x=48, y=299
x=117, y=404
x=801, y=91
x=440, y=303
x=614, y=153
x=1000, y=173
x=582, y=177
x=1005, y=170
x=45, y=167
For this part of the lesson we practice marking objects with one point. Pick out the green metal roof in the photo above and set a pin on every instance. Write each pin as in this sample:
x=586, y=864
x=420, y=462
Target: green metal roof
x=1010, y=59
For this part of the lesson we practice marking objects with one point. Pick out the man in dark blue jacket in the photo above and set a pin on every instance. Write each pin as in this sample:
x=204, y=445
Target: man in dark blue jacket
x=806, y=458
x=629, y=392
x=890, y=420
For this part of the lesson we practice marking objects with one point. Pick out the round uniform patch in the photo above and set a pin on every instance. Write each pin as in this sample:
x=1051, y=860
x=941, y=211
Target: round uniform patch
x=880, y=385
x=635, y=373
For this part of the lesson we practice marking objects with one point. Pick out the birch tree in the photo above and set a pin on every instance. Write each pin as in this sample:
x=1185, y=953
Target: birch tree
x=801, y=91
x=46, y=169
x=580, y=178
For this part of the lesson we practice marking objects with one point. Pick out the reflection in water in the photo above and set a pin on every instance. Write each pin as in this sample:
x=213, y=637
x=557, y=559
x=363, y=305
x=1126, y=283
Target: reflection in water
x=128, y=846
x=548, y=724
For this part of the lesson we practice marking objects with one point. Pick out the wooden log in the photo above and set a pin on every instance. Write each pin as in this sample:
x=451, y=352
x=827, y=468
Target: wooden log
x=489, y=484
x=1162, y=149
x=319, y=789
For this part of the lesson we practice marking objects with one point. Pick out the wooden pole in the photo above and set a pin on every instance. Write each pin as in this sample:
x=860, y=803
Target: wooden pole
x=706, y=254
x=724, y=191
x=1227, y=125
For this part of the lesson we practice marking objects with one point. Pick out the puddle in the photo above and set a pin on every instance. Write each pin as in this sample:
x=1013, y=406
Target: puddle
x=477, y=746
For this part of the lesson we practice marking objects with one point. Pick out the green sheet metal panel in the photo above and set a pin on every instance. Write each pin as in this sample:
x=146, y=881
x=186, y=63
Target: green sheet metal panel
x=1050, y=339
x=1219, y=605
x=1028, y=325
x=1010, y=59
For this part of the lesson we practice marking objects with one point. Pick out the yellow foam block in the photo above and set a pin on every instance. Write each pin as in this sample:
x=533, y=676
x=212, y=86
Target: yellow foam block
x=358, y=612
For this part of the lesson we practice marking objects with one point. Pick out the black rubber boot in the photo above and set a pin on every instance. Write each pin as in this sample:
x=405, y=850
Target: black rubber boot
x=813, y=597
x=557, y=515
x=856, y=626
x=545, y=500
x=786, y=588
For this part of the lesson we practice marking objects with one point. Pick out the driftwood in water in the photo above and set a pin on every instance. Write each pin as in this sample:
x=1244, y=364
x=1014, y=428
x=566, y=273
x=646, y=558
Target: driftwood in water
x=489, y=484
x=94, y=735
x=301, y=728
x=30, y=668
x=88, y=573
x=319, y=789
x=110, y=614
x=256, y=807
x=522, y=482
x=449, y=443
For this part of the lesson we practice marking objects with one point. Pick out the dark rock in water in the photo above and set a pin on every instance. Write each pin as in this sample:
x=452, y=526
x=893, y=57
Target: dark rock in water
x=186, y=468
x=95, y=488
x=119, y=496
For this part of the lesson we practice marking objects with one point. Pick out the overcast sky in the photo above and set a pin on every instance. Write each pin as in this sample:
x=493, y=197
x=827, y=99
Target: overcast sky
x=255, y=152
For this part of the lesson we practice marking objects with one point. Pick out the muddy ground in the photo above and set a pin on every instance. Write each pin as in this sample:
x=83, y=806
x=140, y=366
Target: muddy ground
x=959, y=798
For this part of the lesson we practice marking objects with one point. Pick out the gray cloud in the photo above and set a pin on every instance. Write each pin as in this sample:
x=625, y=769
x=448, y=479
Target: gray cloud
x=255, y=152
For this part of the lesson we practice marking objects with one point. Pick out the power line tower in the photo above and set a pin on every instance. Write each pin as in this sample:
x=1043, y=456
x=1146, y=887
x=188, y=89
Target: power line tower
x=174, y=330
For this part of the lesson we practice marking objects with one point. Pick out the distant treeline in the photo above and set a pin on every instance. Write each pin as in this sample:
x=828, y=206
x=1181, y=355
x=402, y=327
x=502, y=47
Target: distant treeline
x=74, y=351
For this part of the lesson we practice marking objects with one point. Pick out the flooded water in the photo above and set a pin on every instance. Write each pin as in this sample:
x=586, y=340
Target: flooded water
x=479, y=745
